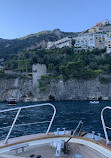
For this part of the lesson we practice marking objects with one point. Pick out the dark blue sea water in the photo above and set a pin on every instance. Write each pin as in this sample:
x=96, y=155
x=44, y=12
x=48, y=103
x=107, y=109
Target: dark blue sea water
x=68, y=115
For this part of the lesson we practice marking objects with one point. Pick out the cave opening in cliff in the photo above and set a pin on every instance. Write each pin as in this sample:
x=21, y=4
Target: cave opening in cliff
x=100, y=98
x=51, y=98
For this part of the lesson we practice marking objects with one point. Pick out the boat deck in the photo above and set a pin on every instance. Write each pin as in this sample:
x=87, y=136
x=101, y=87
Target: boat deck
x=28, y=138
x=45, y=151
x=43, y=148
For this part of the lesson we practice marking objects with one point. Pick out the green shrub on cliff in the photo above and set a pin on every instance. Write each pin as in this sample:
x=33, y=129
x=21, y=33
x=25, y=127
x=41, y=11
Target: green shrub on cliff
x=24, y=65
x=46, y=79
x=77, y=70
x=1, y=71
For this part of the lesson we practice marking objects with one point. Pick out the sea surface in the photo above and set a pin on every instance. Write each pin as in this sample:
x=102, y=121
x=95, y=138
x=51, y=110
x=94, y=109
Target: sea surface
x=68, y=115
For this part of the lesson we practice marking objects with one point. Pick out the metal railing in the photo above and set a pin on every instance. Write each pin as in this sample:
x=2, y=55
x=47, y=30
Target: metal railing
x=103, y=123
x=26, y=107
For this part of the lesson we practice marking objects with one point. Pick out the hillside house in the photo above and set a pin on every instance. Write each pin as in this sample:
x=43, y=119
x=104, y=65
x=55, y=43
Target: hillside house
x=108, y=42
x=84, y=41
x=108, y=46
x=67, y=41
x=90, y=41
x=106, y=22
x=101, y=27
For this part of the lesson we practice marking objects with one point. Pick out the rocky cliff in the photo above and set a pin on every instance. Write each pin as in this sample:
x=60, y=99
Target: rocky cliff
x=27, y=90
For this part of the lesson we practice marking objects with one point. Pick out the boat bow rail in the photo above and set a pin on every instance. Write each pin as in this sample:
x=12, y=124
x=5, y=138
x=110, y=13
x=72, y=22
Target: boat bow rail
x=103, y=123
x=19, y=109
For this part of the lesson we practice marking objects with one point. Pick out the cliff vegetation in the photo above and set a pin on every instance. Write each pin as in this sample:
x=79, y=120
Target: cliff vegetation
x=64, y=63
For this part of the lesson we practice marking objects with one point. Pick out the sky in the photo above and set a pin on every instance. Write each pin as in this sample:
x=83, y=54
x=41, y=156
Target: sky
x=19, y=18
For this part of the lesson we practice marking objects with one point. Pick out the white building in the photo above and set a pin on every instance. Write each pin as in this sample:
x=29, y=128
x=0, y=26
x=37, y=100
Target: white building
x=90, y=41
x=84, y=41
x=108, y=46
x=108, y=42
x=106, y=21
x=67, y=41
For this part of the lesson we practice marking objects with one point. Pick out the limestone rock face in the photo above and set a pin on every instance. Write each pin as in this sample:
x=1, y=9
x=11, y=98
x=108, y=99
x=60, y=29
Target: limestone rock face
x=26, y=90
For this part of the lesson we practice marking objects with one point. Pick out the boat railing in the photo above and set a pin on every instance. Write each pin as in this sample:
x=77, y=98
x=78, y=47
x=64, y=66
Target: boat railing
x=104, y=126
x=19, y=109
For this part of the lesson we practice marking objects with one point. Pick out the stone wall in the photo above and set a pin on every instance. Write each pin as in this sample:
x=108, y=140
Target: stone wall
x=26, y=90
x=78, y=90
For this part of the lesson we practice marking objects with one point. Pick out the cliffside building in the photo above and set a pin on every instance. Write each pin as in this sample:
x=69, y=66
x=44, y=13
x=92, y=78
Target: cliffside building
x=108, y=46
x=101, y=27
x=108, y=42
x=90, y=41
x=96, y=27
x=84, y=41
x=67, y=41
x=106, y=22
x=96, y=37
